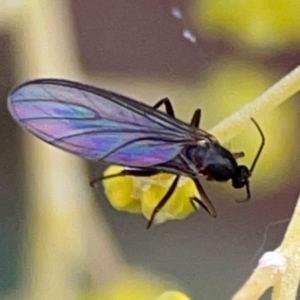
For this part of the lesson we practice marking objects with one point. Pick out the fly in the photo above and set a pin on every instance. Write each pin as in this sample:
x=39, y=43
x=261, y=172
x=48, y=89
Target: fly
x=101, y=125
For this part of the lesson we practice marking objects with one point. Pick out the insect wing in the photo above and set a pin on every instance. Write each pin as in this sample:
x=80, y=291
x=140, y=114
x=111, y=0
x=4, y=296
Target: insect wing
x=98, y=124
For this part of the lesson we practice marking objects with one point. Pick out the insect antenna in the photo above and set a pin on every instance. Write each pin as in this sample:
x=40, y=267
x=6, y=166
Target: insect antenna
x=254, y=162
x=260, y=147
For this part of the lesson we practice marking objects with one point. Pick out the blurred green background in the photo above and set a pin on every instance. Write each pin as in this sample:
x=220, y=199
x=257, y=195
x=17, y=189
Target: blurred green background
x=137, y=48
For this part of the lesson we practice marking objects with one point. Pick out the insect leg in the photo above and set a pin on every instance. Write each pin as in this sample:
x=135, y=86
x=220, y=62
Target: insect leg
x=198, y=201
x=163, y=201
x=196, y=118
x=193, y=200
x=168, y=105
x=208, y=206
x=126, y=172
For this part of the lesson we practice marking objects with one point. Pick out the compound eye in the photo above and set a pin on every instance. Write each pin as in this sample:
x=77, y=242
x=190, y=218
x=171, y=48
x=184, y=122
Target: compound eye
x=238, y=184
x=241, y=176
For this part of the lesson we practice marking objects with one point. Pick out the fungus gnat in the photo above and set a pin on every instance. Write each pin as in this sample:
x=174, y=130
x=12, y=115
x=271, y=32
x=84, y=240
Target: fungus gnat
x=101, y=125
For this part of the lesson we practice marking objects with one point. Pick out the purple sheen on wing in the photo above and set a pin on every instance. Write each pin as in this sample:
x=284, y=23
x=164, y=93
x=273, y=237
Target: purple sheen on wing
x=143, y=153
x=111, y=110
x=91, y=147
x=139, y=153
x=66, y=128
x=107, y=126
x=56, y=130
x=105, y=108
x=47, y=92
x=94, y=144
x=48, y=109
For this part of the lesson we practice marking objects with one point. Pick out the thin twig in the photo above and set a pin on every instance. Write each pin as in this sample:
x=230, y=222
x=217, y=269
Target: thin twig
x=270, y=99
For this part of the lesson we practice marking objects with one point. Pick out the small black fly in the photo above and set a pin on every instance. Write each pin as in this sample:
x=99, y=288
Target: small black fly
x=105, y=126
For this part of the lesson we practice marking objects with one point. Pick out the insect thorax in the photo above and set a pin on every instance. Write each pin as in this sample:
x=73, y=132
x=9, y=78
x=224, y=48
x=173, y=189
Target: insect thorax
x=212, y=160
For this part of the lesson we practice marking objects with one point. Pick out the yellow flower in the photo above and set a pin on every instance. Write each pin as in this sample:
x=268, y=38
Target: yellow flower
x=120, y=191
x=142, y=194
x=177, y=207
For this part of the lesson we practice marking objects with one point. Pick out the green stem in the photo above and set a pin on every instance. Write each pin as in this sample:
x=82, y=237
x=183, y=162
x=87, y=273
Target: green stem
x=270, y=99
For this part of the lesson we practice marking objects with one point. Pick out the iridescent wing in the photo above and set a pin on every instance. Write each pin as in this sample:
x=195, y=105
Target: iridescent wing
x=98, y=124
